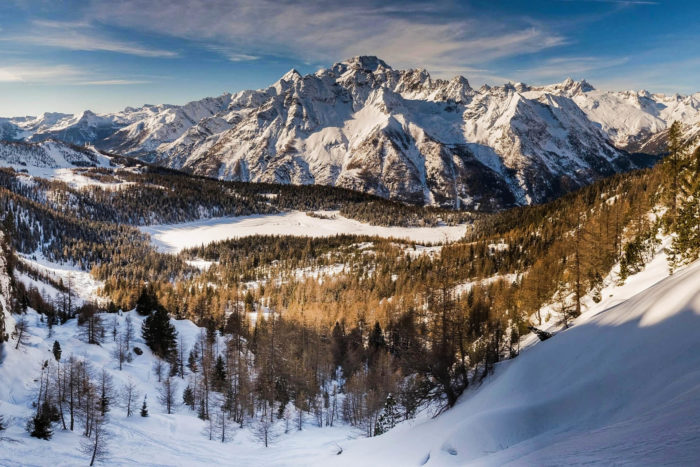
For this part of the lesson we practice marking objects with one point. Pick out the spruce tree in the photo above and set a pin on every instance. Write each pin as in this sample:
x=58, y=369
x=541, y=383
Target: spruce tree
x=56, y=350
x=673, y=164
x=389, y=417
x=188, y=397
x=39, y=426
x=160, y=335
x=144, y=408
x=147, y=301
x=219, y=372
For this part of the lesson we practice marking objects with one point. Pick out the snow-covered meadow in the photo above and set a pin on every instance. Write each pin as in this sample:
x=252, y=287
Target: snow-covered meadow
x=173, y=238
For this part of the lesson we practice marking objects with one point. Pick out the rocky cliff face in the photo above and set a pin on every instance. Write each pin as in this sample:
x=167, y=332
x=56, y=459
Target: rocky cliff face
x=397, y=133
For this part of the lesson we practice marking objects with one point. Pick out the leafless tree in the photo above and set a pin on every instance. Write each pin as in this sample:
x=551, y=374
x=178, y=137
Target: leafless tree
x=21, y=331
x=167, y=395
x=96, y=445
x=128, y=331
x=264, y=430
x=115, y=327
x=158, y=368
x=220, y=426
x=129, y=395
x=120, y=352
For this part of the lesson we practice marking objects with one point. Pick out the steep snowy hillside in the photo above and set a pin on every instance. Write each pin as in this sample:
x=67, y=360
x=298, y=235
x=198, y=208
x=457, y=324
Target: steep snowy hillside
x=620, y=387
x=363, y=125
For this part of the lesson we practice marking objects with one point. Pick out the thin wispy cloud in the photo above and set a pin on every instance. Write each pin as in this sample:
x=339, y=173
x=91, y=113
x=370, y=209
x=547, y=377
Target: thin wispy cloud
x=81, y=36
x=60, y=74
x=552, y=68
x=113, y=82
x=617, y=2
x=105, y=55
x=39, y=73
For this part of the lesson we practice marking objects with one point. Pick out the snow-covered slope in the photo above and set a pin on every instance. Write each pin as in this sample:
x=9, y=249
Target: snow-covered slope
x=48, y=158
x=178, y=439
x=363, y=125
x=622, y=387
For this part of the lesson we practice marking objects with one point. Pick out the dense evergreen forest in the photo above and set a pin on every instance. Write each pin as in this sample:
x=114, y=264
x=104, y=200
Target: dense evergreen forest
x=382, y=322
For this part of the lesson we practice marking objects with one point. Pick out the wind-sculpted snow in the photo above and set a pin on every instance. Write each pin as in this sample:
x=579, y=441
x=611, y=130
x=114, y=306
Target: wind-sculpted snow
x=400, y=134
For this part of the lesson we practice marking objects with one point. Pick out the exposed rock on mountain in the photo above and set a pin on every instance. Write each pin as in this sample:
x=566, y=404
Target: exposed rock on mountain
x=397, y=133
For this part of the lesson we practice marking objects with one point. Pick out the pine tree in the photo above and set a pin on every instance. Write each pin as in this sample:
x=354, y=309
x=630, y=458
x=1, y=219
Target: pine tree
x=56, y=350
x=144, y=408
x=2, y=423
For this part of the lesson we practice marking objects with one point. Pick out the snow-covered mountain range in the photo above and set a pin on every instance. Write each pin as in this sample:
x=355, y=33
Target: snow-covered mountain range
x=400, y=134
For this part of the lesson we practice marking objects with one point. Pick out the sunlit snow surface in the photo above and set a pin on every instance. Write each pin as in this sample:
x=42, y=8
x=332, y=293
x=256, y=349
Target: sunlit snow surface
x=175, y=237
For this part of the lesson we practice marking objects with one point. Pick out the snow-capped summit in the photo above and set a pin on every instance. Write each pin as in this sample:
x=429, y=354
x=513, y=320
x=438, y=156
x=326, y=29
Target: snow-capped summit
x=364, y=125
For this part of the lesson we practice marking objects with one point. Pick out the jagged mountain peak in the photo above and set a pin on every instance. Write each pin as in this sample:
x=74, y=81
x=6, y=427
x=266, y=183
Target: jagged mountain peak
x=570, y=84
x=368, y=63
x=291, y=75
x=398, y=133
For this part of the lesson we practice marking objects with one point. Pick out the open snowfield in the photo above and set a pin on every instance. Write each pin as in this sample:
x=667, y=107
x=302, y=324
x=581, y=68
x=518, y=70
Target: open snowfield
x=173, y=238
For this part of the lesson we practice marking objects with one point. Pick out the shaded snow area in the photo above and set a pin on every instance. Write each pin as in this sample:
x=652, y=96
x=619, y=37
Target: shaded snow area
x=176, y=237
x=621, y=387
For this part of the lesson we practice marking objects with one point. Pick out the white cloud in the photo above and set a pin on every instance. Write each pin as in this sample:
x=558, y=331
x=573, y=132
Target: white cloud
x=423, y=36
x=38, y=73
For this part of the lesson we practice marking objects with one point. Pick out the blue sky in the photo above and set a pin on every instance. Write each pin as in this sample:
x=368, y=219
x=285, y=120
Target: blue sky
x=66, y=55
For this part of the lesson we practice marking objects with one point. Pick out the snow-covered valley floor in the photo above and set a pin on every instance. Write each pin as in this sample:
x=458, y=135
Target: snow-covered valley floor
x=175, y=237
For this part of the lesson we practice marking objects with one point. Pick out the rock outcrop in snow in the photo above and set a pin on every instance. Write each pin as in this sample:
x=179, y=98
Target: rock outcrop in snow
x=400, y=134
